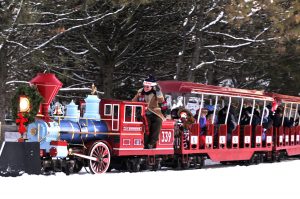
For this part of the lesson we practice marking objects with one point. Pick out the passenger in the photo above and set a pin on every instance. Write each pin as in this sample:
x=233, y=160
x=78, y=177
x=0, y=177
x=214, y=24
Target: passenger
x=296, y=123
x=209, y=121
x=202, y=125
x=278, y=118
x=186, y=120
x=267, y=123
x=271, y=113
x=231, y=122
x=209, y=117
x=174, y=113
x=165, y=109
x=203, y=121
x=245, y=120
x=152, y=95
x=246, y=116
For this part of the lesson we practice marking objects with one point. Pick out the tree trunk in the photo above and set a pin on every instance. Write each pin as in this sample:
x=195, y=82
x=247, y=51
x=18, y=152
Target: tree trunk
x=195, y=58
x=178, y=68
x=107, y=80
x=179, y=63
x=210, y=75
x=3, y=77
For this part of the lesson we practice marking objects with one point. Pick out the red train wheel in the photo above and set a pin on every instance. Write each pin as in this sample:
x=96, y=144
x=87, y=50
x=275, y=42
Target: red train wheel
x=102, y=153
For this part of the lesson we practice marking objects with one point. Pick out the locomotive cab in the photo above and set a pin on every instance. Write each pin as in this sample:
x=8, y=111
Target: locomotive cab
x=126, y=127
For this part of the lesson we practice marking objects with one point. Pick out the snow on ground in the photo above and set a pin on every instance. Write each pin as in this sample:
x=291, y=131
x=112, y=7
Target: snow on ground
x=276, y=180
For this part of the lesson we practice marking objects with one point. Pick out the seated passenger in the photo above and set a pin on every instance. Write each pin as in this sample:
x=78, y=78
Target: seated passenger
x=209, y=120
x=231, y=122
x=202, y=125
x=296, y=122
x=203, y=121
x=186, y=119
x=267, y=123
x=279, y=116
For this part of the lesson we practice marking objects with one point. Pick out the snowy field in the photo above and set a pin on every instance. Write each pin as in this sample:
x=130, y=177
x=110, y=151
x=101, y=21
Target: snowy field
x=276, y=180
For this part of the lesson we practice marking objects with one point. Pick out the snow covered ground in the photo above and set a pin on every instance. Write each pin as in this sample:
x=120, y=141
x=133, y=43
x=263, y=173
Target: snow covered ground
x=276, y=180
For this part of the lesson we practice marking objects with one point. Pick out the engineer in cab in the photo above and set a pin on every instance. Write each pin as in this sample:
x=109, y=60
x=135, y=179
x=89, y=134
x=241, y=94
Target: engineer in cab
x=152, y=95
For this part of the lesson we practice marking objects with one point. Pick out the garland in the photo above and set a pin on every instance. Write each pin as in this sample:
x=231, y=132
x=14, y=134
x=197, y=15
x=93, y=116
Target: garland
x=34, y=98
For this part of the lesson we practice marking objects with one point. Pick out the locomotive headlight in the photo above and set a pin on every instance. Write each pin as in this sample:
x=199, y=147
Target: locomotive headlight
x=24, y=104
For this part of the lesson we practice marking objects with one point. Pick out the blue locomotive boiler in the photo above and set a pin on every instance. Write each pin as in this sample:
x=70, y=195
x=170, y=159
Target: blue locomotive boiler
x=70, y=128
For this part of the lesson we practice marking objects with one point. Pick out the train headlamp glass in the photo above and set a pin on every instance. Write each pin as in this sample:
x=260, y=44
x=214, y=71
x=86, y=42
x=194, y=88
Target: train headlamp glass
x=24, y=104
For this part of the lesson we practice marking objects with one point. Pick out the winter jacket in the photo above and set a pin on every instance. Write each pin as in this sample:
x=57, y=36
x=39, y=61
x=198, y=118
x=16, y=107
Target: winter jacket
x=152, y=100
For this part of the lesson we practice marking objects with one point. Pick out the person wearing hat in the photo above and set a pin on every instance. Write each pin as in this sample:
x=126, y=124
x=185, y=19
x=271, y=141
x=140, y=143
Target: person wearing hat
x=186, y=120
x=152, y=95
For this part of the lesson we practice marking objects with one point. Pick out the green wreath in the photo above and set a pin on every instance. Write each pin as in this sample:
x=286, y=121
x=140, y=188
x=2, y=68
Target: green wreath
x=34, y=98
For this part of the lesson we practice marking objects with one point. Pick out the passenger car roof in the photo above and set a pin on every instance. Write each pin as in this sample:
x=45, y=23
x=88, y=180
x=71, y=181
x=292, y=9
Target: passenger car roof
x=197, y=88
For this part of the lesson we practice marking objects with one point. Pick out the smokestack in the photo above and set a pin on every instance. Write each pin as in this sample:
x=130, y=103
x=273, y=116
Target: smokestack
x=48, y=86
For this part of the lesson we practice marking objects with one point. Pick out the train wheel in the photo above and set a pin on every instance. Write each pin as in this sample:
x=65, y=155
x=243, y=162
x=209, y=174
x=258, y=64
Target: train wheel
x=274, y=158
x=101, y=152
x=200, y=162
x=136, y=167
x=176, y=163
x=156, y=167
x=186, y=165
x=129, y=165
x=257, y=159
x=78, y=166
x=224, y=162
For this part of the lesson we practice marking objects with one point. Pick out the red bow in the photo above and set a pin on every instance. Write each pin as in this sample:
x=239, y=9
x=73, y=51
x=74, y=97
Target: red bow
x=21, y=121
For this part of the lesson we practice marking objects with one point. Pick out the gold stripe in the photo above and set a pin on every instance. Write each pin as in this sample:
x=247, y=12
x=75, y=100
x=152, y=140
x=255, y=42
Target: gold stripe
x=105, y=133
x=72, y=131
x=98, y=133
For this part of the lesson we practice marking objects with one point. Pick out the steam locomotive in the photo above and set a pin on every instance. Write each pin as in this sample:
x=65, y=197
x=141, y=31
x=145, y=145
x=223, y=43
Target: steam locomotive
x=110, y=133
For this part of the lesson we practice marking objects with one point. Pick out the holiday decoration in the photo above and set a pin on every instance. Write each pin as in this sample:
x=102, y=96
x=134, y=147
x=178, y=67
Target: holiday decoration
x=27, y=100
x=21, y=122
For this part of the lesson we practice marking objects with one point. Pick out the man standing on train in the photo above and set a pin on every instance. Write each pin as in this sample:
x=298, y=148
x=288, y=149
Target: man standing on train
x=152, y=95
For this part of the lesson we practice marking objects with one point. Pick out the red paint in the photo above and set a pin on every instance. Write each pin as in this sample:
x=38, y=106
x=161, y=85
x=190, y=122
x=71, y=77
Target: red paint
x=21, y=121
x=48, y=86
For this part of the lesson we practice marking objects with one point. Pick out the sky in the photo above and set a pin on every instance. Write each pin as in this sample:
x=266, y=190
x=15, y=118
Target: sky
x=267, y=180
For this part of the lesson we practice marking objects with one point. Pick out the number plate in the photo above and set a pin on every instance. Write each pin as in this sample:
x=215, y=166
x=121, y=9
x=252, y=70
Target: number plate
x=194, y=139
x=281, y=139
x=235, y=139
x=247, y=139
x=258, y=139
x=222, y=139
x=292, y=138
x=166, y=137
x=208, y=139
x=269, y=139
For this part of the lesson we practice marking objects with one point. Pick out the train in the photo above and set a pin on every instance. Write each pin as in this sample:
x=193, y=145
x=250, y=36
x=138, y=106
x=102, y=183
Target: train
x=106, y=134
